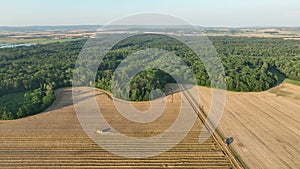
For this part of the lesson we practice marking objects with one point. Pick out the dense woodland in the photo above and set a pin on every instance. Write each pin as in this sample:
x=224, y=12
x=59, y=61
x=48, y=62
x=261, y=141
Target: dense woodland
x=251, y=64
x=30, y=74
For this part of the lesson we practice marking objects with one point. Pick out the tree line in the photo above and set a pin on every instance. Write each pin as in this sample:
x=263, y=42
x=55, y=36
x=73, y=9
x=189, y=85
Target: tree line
x=33, y=102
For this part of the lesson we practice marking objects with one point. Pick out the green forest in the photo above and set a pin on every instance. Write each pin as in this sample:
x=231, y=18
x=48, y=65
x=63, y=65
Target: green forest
x=251, y=64
x=29, y=75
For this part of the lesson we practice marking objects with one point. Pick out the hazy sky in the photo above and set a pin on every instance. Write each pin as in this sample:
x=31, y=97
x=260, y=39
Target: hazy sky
x=237, y=13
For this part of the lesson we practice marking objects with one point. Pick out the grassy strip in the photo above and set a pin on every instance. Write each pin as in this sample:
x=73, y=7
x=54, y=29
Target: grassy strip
x=238, y=157
x=294, y=82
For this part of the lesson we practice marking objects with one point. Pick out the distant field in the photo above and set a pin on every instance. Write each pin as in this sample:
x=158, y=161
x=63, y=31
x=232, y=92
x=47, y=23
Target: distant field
x=31, y=41
x=285, y=33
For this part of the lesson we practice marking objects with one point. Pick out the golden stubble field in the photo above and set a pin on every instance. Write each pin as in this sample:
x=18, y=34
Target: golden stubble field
x=55, y=139
x=265, y=126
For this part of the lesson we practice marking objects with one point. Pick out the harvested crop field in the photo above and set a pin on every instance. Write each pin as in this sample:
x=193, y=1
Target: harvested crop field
x=55, y=139
x=265, y=125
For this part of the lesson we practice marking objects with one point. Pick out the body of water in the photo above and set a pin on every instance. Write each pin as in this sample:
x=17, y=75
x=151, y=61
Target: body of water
x=14, y=45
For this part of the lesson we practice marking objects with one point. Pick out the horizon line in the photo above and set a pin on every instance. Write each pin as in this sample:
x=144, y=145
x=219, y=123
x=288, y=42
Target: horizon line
x=100, y=25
